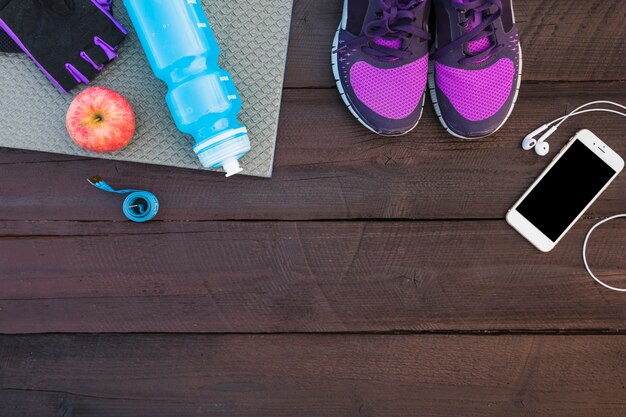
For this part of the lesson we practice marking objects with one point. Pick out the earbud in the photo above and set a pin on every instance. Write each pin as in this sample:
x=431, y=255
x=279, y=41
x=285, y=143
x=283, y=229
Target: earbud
x=542, y=148
x=529, y=143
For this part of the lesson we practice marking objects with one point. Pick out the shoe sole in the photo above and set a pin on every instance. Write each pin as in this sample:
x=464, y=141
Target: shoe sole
x=333, y=57
x=433, y=95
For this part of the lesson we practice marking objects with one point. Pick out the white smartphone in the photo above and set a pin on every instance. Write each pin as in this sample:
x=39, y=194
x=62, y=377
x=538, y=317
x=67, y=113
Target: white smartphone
x=565, y=190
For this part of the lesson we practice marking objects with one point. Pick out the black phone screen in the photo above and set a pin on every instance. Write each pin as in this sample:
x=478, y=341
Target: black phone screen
x=566, y=190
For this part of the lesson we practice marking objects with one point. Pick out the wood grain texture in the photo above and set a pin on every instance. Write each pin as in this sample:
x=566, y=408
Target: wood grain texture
x=355, y=235
x=302, y=277
x=562, y=40
x=295, y=375
x=329, y=167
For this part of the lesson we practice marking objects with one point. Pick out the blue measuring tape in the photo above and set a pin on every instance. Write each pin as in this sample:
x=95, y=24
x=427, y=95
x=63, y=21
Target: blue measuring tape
x=139, y=206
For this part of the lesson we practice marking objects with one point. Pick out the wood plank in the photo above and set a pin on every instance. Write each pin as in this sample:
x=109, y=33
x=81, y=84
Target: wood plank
x=562, y=40
x=302, y=277
x=296, y=375
x=329, y=167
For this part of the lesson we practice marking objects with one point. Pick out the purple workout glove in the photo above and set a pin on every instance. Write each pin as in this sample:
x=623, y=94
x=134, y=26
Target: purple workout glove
x=70, y=40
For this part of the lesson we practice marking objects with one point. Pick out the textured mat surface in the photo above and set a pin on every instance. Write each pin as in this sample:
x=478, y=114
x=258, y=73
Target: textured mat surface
x=253, y=39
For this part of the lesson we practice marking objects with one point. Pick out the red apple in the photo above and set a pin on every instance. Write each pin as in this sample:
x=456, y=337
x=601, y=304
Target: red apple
x=100, y=120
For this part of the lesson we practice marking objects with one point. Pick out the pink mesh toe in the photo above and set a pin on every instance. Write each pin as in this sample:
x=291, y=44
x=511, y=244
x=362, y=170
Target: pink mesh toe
x=392, y=93
x=477, y=94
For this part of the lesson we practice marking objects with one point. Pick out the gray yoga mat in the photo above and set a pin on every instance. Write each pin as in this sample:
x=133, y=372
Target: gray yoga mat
x=253, y=37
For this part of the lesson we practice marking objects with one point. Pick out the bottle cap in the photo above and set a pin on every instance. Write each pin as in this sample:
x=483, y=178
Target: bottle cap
x=231, y=166
x=224, y=150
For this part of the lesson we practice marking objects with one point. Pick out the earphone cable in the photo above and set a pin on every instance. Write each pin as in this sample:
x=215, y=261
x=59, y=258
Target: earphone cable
x=560, y=120
x=598, y=280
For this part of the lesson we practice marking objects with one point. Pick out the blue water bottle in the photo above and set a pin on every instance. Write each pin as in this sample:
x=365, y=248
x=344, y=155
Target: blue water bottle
x=182, y=51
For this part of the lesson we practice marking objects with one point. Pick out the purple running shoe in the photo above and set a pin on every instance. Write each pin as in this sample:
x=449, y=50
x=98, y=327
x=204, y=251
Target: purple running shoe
x=475, y=73
x=380, y=62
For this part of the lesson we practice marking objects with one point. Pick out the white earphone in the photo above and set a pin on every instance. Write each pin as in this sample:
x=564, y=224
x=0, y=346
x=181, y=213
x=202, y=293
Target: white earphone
x=542, y=147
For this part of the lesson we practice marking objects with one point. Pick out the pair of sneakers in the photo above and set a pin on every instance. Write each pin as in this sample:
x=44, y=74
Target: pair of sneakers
x=380, y=60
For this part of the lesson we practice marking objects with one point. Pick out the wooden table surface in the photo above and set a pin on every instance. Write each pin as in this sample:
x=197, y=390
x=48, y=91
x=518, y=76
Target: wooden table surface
x=370, y=277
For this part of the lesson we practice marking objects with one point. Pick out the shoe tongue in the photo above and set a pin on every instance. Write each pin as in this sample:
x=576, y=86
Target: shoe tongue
x=478, y=45
x=389, y=43
x=394, y=43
